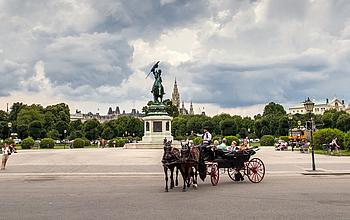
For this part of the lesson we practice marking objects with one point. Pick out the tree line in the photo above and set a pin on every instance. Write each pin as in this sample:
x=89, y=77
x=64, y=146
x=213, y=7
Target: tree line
x=54, y=122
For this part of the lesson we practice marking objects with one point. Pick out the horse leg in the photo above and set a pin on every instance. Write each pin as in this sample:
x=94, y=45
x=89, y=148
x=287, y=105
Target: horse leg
x=172, y=177
x=166, y=178
x=195, y=177
x=176, y=177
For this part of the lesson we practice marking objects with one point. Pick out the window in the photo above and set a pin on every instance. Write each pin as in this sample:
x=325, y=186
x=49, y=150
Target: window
x=167, y=126
x=147, y=126
x=157, y=126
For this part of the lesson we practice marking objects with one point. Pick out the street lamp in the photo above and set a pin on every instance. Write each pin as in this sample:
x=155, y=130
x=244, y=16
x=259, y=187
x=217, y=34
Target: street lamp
x=9, y=125
x=309, y=107
x=64, y=136
x=290, y=118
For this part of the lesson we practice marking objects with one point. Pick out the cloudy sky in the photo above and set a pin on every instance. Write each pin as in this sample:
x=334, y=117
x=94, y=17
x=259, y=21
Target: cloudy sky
x=227, y=56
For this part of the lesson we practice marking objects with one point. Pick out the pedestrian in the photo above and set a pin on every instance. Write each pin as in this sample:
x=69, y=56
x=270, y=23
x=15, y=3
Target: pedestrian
x=6, y=152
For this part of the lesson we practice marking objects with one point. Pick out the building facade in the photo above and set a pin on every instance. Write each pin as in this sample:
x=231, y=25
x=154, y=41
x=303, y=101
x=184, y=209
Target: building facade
x=321, y=106
x=111, y=114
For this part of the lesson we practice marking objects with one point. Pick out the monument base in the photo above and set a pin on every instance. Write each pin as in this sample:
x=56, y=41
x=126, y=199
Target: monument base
x=141, y=145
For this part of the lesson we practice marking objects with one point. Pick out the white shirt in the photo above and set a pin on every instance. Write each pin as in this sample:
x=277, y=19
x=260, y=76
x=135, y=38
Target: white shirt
x=206, y=137
x=6, y=150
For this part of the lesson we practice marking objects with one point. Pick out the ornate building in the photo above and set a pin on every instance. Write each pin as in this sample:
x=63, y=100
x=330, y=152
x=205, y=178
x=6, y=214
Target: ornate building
x=175, y=99
x=103, y=118
x=320, y=106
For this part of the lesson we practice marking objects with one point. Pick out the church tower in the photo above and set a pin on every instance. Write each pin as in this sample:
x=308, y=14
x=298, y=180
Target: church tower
x=191, y=109
x=175, y=97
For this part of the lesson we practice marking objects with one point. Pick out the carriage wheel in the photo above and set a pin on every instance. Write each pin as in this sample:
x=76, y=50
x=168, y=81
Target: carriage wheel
x=255, y=170
x=214, y=174
x=233, y=171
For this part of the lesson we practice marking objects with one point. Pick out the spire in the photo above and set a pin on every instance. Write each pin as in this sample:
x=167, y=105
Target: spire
x=191, y=109
x=117, y=110
x=175, y=97
x=110, y=111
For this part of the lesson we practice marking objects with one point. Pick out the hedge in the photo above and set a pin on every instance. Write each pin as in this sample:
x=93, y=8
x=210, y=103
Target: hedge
x=284, y=138
x=347, y=140
x=47, y=143
x=119, y=142
x=232, y=138
x=267, y=140
x=28, y=143
x=78, y=143
x=86, y=142
x=325, y=136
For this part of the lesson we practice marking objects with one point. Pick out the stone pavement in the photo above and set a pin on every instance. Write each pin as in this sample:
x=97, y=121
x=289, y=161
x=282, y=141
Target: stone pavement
x=131, y=162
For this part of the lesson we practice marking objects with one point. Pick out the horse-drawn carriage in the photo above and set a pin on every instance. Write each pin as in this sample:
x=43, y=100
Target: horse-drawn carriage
x=237, y=164
x=194, y=160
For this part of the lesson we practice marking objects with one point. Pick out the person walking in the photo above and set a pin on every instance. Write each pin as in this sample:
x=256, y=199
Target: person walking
x=6, y=152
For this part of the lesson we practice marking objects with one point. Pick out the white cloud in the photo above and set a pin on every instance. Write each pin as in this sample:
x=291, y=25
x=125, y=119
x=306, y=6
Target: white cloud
x=226, y=55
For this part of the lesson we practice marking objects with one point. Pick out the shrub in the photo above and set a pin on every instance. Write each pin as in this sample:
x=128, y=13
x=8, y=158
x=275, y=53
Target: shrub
x=347, y=140
x=217, y=137
x=78, y=143
x=325, y=136
x=232, y=138
x=284, y=138
x=267, y=140
x=28, y=143
x=119, y=142
x=86, y=142
x=197, y=140
x=47, y=143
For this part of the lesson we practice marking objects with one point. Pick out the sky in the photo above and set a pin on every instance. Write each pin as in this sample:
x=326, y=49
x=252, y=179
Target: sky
x=227, y=56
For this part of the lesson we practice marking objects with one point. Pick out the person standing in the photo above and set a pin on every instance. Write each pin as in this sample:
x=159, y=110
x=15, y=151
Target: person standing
x=6, y=152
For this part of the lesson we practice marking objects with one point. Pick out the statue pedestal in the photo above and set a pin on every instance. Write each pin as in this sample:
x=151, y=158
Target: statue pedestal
x=157, y=126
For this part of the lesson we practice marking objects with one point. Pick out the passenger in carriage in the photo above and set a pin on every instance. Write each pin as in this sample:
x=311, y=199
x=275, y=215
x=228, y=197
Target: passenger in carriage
x=244, y=145
x=223, y=145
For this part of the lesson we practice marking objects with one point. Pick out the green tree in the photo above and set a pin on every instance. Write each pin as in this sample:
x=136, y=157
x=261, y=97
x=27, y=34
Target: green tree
x=35, y=129
x=228, y=127
x=76, y=125
x=179, y=127
x=107, y=133
x=343, y=122
x=29, y=114
x=62, y=126
x=15, y=109
x=54, y=134
x=92, y=129
x=22, y=131
x=274, y=109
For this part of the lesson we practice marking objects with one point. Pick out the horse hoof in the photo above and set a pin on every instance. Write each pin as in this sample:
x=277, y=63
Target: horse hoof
x=184, y=190
x=166, y=190
x=195, y=186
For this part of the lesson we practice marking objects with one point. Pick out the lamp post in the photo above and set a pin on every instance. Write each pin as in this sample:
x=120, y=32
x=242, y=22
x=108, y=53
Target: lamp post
x=9, y=125
x=290, y=118
x=309, y=107
x=64, y=136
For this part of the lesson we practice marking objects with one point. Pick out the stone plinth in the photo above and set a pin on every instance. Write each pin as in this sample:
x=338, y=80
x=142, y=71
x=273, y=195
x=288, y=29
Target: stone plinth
x=156, y=127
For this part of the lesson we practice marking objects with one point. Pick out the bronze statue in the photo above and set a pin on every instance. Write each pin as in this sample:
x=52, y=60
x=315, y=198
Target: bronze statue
x=157, y=89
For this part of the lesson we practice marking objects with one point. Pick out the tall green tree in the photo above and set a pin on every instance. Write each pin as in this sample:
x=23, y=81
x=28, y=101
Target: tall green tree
x=92, y=129
x=274, y=109
x=35, y=129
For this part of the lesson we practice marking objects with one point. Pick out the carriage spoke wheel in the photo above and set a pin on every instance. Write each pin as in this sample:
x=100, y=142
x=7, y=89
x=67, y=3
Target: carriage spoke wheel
x=214, y=174
x=233, y=171
x=255, y=170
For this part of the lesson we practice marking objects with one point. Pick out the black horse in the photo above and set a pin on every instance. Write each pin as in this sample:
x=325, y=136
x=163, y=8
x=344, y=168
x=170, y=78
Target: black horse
x=170, y=161
x=190, y=157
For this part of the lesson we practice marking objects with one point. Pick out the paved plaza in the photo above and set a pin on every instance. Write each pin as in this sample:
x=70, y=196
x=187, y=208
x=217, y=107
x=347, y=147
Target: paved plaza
x=117, y=161
x=128, y=184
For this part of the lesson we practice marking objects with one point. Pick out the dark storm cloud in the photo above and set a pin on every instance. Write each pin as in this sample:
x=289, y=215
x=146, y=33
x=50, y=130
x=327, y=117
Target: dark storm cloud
x=148, y=18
